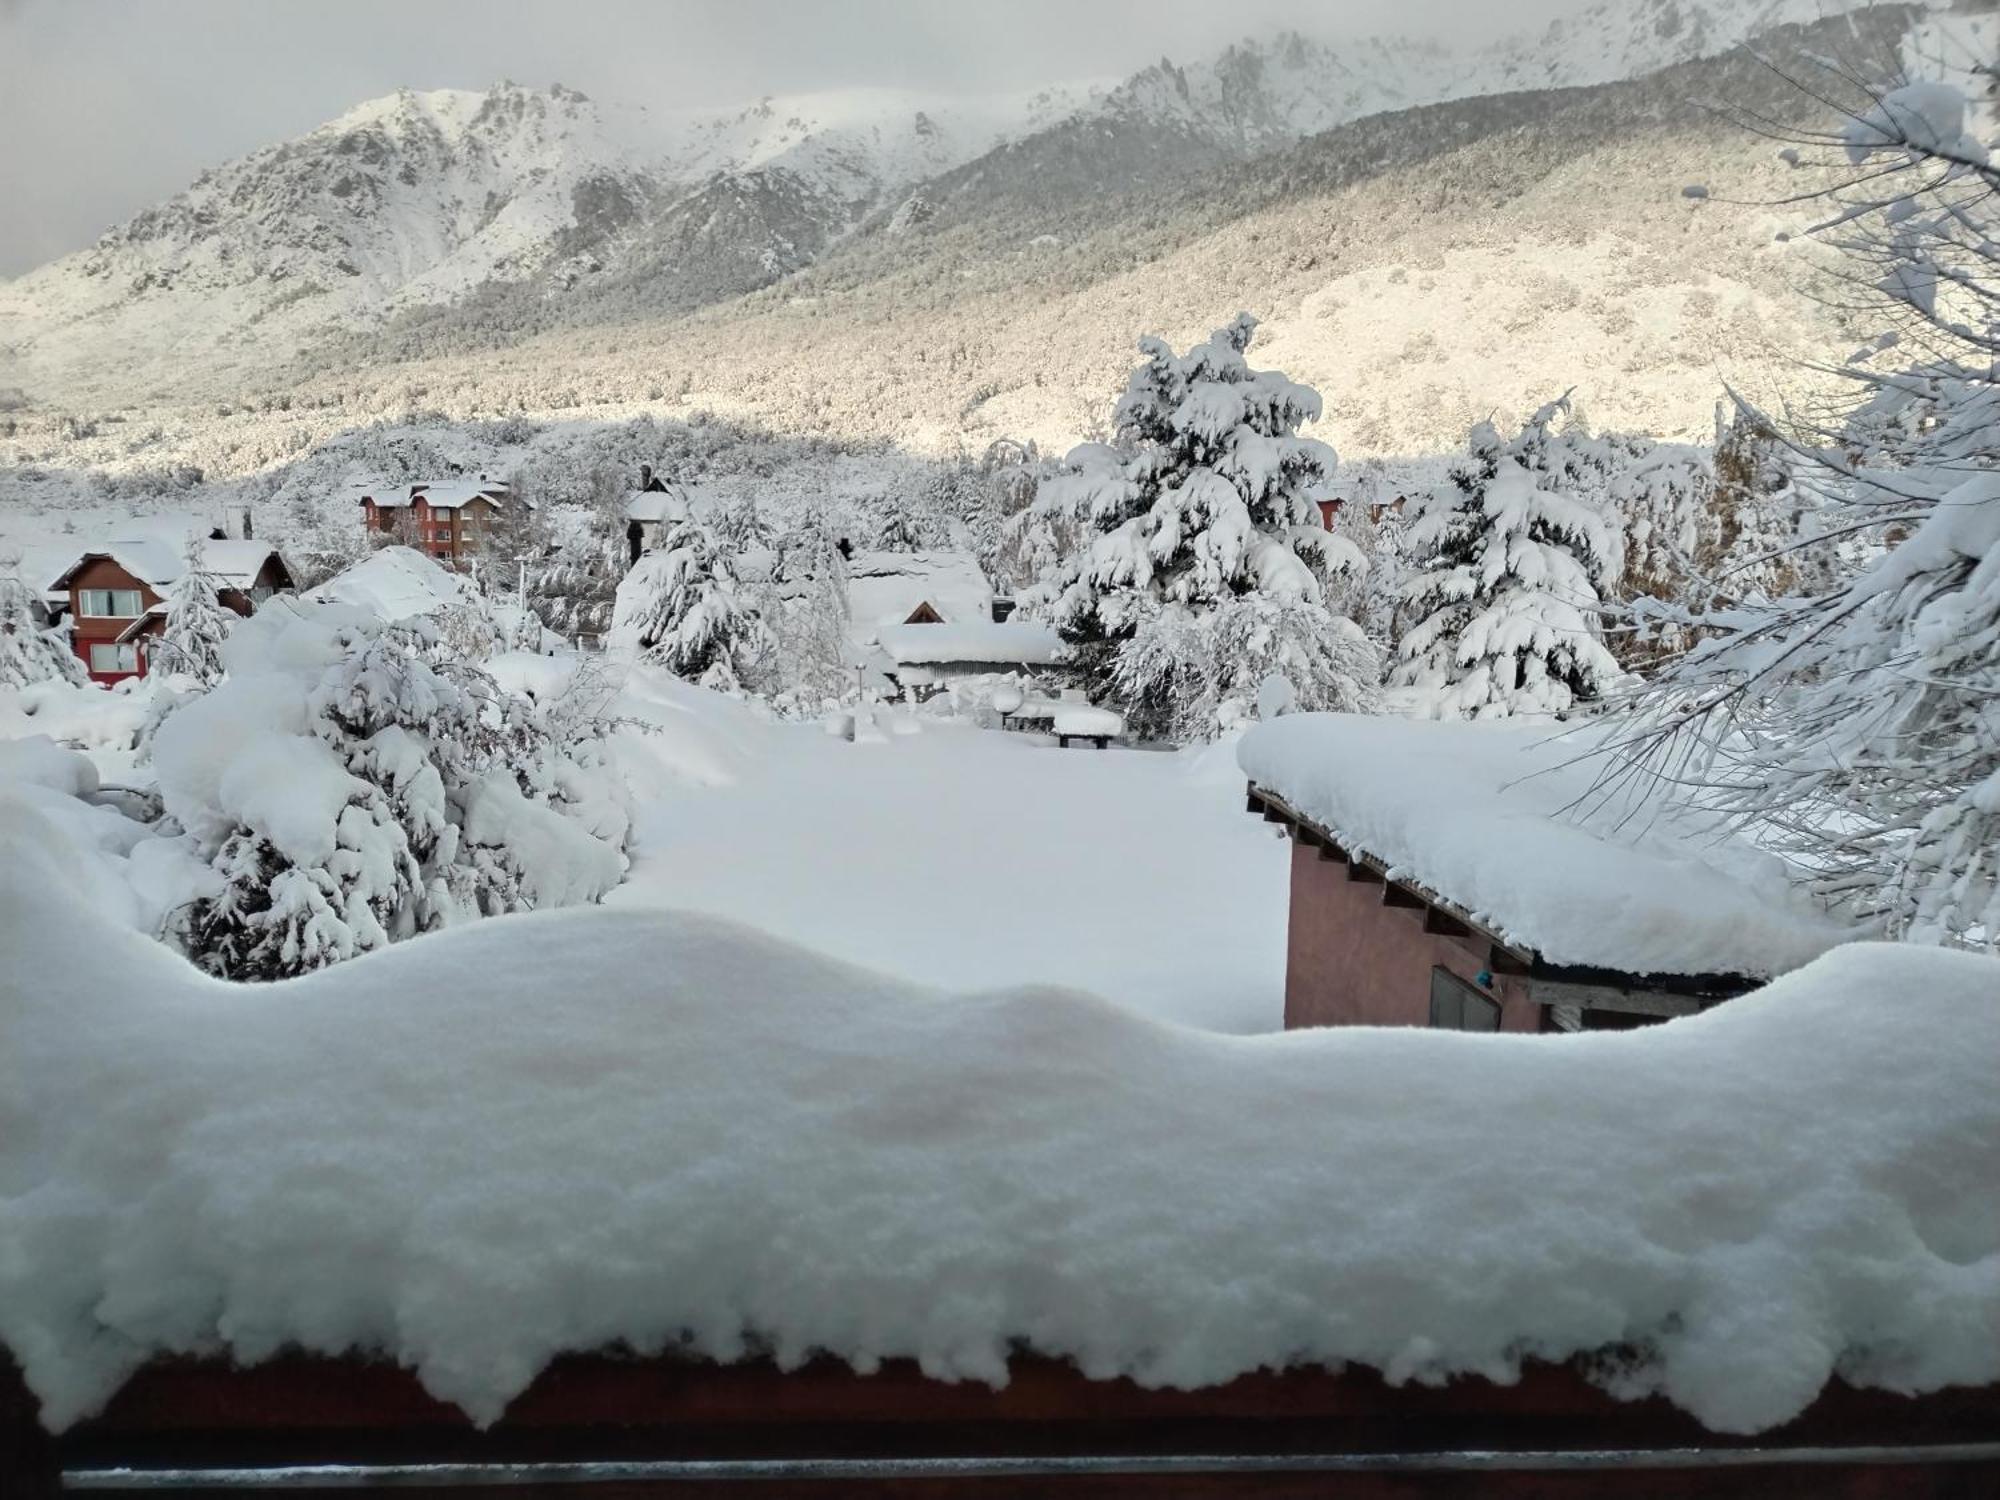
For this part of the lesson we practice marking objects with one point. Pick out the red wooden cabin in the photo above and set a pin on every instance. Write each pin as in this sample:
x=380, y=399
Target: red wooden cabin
x=117, y=593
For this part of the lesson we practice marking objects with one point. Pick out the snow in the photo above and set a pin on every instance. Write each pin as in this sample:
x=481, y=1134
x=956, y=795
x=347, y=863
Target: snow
x=962, y=858
x=398, y=583
x=665, y=1131
x=1019, y=641
x=443, y=494
x=1071, y=719
x=885, y=588
x=160, y=562
x=1479, y=814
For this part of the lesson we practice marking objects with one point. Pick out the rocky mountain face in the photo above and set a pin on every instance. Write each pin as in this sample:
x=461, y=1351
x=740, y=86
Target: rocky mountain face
x=440, y=225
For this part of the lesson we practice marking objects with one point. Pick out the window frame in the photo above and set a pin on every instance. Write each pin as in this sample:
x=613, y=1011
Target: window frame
x=84, y=598
x=123, y=652
x=1452, y=994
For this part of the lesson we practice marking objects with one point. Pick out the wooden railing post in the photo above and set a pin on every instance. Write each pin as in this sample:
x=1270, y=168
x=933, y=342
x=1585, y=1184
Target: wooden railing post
x=28, y=1466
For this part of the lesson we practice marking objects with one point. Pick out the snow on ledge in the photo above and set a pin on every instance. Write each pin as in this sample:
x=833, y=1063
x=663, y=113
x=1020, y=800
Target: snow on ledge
x=1010, y=643
x=1478, y=814
x=569, y=1130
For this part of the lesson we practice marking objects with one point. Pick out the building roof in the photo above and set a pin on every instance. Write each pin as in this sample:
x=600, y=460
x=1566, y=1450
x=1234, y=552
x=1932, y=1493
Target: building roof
x=1014, y=643
x=443, y=494
x=1495, y=820
x=151, y=561
x=886, y=588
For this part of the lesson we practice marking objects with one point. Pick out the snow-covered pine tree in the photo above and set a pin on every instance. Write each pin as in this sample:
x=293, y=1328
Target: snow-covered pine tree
x=1855, y=725
x=1507, y=597
x=682, y=606
x=810, y=619
x=455, y=799
x=1205, y=502
x=28, y=652
x=196, y=624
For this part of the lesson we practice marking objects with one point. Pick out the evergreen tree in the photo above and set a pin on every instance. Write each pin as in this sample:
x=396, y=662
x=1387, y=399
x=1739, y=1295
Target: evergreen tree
x=462, y=800
x=1508, y=594
x=29, y=653
x=196, y=624
x=1204, y=502
x=682, y=606
x=1849, y=721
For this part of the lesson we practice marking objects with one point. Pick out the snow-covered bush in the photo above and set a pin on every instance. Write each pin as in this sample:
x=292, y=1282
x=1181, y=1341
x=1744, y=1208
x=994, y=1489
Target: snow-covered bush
x=29, y=653
x=1513, y=561
x=683, y=606
x=1206, y=502
x=350, y=791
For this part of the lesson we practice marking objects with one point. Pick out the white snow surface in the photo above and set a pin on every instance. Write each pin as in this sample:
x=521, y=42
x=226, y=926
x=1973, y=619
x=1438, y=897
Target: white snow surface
x=1012, y=641
x=885, y=588
x=398, y=583
x=664, y=1130
x=1477, y=814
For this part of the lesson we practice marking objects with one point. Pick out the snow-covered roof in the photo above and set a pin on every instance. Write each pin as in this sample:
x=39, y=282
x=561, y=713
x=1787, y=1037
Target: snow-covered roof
x=1016, y=642
x=886, y=588
x=234, y=564
x=397, y=583
x=1480, y=815
x=442, y=494
x=874, y=1170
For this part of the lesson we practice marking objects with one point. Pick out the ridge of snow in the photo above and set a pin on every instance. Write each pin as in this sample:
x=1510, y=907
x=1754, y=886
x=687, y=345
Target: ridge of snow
x=666, y=1131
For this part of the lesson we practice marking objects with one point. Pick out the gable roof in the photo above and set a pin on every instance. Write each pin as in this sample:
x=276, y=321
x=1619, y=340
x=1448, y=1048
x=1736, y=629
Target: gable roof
x=395, y=584
x=1012, y=643
x=233, y=564
x=1495, y=819
x=443, y=494
x=887, y=588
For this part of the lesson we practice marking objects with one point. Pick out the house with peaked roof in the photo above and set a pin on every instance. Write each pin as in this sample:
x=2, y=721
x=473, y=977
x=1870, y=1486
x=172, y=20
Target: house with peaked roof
x=115, y=596
x=443, y=518
x=1481, y=877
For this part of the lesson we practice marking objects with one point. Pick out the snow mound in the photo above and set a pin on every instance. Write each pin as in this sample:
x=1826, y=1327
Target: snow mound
x=398, y=583
x=670, y=1131
x=1480, y=814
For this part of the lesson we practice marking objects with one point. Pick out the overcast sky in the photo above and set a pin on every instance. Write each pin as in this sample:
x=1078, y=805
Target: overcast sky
x=109, y=105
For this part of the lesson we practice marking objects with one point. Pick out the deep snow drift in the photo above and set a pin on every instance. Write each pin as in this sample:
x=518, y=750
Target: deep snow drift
x=672, y=1131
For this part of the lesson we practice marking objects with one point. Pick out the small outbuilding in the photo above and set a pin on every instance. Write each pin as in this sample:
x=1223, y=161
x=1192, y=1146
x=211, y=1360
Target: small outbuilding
x=1469, y=877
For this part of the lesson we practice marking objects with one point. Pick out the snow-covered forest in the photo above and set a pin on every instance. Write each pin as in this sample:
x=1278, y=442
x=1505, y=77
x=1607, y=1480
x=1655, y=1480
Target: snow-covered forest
x=813, y=735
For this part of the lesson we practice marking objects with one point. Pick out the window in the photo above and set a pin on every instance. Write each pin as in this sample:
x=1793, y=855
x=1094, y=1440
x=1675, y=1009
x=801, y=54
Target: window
x=111, y=604
x=1458, y=1006
x=109, y=656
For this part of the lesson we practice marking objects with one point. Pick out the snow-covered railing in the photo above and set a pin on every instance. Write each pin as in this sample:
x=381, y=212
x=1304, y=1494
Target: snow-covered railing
x=668, y=1426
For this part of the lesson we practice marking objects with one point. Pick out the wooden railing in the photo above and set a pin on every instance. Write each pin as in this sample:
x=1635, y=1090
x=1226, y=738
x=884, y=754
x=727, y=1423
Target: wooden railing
x=606, y=1428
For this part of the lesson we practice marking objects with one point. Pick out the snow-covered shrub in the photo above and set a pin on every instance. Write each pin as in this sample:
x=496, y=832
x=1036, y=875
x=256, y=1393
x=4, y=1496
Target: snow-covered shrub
x=29, y=653
x=350, y=789
x=1205, y=502
x=683, y=606
x=1512, y=564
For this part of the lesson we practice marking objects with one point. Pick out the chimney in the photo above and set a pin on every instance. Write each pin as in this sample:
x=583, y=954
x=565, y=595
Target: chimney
x=645, y=476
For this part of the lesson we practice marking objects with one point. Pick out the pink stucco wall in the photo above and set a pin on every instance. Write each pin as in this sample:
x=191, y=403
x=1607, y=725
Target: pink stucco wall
x=1351, y=961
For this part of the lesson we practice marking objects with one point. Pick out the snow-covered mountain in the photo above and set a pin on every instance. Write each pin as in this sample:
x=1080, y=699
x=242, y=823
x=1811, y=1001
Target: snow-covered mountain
x=521, y=210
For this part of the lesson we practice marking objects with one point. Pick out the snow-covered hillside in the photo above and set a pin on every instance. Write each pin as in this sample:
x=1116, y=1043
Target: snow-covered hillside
x=543, y=208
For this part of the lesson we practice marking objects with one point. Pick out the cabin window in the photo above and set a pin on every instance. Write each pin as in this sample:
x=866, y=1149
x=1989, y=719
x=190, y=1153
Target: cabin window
x=1458, y=1006
x=109, y=656
x=110, y=604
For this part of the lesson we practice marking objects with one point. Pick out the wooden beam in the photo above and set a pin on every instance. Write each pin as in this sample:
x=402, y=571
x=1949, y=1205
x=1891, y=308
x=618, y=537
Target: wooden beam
x=1635, y=1002
x=1444, y=924
x=1395, y=893
x=1360, y=869
x=1253, y=800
